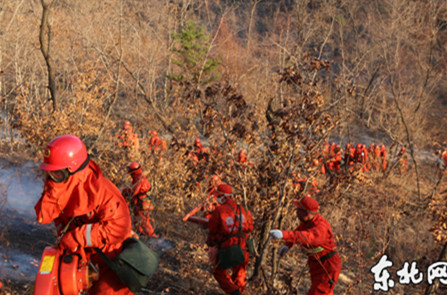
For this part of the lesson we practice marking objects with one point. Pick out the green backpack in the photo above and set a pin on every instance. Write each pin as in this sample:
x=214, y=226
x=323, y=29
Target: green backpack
x=234, y=255
x=134, y=265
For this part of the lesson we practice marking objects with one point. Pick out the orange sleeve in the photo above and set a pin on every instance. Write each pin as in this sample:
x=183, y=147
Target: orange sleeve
x=113, y=227
x=213, y=228
x=307, y=237
x=145, y=185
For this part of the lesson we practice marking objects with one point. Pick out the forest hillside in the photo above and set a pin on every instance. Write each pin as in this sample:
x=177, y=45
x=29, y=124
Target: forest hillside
x=291, y=82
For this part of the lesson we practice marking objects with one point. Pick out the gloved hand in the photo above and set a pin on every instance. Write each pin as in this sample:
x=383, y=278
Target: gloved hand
x=276, y=234
x=283, y=251
x=69, y=242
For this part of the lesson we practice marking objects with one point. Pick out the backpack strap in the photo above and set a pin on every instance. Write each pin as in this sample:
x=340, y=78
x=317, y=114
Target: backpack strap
x=240, y=221
x=107, y=260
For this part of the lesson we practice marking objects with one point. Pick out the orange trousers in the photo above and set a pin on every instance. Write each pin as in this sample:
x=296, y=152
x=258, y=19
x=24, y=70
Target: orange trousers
x=108, y=283
x=228, y=283
x=320, y=277
x=142, y=222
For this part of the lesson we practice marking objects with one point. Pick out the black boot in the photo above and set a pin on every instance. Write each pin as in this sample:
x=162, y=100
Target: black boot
x=237, y=292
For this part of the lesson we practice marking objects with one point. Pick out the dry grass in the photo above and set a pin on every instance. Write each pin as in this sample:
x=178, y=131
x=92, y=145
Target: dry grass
x=295, y=78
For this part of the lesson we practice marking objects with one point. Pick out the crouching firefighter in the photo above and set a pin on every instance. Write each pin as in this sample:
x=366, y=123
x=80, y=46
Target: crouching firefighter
x=229, y=227
x=90, y=215
x=314, y=235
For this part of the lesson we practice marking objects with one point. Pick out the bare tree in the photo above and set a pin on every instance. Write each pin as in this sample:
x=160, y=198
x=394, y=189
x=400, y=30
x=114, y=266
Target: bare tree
x=45, y=47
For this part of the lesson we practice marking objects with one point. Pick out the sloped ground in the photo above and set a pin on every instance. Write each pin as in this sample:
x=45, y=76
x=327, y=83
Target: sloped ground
x=22, y=242
x=184, y=267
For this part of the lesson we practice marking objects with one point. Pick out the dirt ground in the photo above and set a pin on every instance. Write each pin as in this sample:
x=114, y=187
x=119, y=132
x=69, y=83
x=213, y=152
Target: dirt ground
x=183, y=269
x=24, y=235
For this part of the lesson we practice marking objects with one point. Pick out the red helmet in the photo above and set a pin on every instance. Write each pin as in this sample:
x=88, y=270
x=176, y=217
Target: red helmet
x=307, y=203
x=224, y=189
x=134, y=167
x=216, y=178
x=64, y=152
x=127, y=124
x=242, y=151
x=197, y=141
x=402, y=149
x=154, y=133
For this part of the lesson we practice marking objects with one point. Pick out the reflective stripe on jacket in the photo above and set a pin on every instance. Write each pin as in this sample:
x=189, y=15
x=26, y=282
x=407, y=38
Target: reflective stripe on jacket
x=315, y=237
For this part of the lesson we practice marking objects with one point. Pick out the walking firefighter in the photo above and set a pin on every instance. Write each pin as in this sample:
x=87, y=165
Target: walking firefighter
x=229, y=227
x=315, y=237
x=139, y=201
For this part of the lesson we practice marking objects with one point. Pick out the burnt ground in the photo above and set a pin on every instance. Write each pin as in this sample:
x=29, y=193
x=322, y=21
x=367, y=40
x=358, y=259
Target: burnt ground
x=20, y=234
x=22, y=241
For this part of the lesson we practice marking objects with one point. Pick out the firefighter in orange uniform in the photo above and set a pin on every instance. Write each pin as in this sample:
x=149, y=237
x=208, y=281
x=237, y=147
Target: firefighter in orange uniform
x=335, y=157
x=242, y=159
x=230, y=224
x=128, y=139
x=383, y=156
x=361, y=157
x=200, y=153
x=315, y=237
x=211, y=205
x=157, y=145
x=374, y=151
x=140, y=202
x=324, y=158
x=349, y=158
x=444, y=159
x=402, y=157
x=300, y=183
x=87, y=208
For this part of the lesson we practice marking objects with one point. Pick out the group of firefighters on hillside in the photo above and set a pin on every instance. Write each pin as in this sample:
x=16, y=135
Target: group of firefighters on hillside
x=75, y=188
x=359, y=157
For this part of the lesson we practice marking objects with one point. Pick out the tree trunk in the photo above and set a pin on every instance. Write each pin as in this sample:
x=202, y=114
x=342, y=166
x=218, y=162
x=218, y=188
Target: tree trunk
x=45, y=39
x=264, y=238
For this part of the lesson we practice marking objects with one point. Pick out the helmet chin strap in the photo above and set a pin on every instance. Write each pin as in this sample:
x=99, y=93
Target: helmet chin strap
x=82, y=166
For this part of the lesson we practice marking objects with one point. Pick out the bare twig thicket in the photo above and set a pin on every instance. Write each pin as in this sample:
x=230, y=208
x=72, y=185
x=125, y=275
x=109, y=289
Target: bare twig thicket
x=379, y=76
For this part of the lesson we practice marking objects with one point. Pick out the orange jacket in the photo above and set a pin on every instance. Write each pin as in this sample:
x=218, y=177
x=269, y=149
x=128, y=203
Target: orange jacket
x=102, y=218
x=377, y=152
x=242, y=158
x=311, y=236
x=361, y=155
x=157, y=144
x=383, y=152
x=224, y=227
x=140, y=184
x=128, y=139
x=201, y=152
x=140, y=187
x=317, y=241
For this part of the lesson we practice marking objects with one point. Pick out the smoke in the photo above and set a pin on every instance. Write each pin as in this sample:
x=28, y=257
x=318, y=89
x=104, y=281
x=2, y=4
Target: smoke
x=20, y=187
